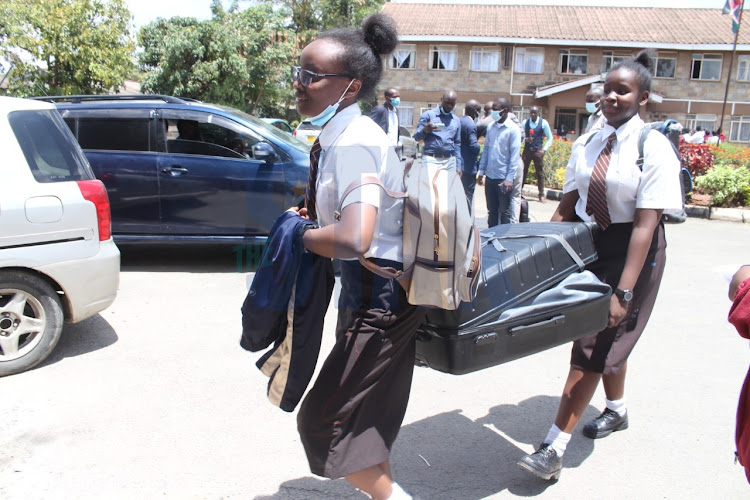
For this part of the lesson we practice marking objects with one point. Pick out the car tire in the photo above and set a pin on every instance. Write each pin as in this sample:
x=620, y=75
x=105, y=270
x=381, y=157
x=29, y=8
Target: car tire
x=31, y=321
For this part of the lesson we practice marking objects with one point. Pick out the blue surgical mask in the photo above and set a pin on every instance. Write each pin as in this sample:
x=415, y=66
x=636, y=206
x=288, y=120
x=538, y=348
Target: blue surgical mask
x=591, y=107
x=495, y=115
x=444, y=112
x=395, y=101
x=476, y=119
x=326, y=115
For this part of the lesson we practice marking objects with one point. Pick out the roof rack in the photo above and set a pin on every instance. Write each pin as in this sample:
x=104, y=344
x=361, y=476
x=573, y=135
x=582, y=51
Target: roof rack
x=114, y=97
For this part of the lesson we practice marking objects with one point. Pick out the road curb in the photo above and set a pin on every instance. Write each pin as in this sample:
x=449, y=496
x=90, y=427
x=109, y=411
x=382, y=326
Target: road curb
x=711, y=213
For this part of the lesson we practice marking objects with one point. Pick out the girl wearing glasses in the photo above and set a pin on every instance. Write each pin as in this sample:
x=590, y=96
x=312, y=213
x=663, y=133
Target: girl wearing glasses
x=351, y=416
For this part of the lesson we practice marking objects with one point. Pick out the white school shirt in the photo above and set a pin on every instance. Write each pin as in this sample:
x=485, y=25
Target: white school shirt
x=628, y=188
x=352, y=146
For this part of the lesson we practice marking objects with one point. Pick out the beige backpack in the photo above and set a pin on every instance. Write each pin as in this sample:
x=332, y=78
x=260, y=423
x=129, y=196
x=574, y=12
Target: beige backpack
x=441, y=253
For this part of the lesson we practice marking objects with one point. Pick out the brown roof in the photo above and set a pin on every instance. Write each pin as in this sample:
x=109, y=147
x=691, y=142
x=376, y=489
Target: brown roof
x=612, y=25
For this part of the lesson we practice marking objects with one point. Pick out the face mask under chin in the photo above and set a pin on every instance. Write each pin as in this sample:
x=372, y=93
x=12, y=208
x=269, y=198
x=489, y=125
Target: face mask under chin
x=325, y=116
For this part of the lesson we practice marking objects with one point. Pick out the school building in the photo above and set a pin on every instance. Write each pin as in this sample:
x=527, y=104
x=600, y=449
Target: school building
x=550, y=56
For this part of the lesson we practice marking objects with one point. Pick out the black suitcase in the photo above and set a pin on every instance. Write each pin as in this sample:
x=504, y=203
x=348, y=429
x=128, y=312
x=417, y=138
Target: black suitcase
x=519, y=262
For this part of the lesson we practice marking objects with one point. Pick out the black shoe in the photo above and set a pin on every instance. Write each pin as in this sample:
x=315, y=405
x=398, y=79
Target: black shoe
x=544, y=463
x=605, y=424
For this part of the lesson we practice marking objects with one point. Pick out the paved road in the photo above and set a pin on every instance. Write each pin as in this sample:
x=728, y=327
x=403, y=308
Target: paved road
x=154, y=398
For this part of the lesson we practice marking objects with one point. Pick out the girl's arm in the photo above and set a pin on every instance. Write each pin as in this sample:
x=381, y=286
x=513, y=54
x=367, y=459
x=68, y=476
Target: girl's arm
x=566, y=210
x=349, y=238
x=644, y=225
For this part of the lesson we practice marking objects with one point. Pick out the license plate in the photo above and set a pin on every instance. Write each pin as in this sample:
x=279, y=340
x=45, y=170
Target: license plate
x=310, y=138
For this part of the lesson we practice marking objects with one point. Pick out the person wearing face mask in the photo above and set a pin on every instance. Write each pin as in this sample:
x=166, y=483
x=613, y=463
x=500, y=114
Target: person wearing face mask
x=386, y=115
x=351, y=416
x=535, y=129
x=469, y=148
x=500, y=163
x=440, y=130
x=605, y=184
x=593, y=106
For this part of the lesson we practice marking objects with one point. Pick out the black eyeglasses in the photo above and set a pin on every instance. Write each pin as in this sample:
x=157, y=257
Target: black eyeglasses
x=306, y=77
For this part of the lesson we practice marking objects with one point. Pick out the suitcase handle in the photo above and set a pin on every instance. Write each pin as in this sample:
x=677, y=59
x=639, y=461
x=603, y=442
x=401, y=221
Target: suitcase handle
x=557, y=320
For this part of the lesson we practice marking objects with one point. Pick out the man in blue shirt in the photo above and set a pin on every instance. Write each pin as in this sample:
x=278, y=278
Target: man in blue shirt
x=440, y=130
x=536, y=129
x=500, y=163
x=469, y=148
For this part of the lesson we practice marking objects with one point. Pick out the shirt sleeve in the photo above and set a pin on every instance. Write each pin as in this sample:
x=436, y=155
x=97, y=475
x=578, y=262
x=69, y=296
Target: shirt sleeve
x=457, y=147
x=577, y=149
x=353, y=163
x=548, y=133
x=485, y=152
x=660, y=180
x=515, y=153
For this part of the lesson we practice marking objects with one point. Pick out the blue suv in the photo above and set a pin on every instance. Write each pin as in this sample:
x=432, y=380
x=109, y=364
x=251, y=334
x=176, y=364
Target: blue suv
x=178, y=170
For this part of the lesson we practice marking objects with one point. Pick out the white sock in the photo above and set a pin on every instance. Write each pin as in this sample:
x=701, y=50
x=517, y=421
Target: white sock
x=618, y=406
x=557, y=439
x=398, y=493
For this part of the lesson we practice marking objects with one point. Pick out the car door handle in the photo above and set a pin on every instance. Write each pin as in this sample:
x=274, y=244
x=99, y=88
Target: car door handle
x=174, y=171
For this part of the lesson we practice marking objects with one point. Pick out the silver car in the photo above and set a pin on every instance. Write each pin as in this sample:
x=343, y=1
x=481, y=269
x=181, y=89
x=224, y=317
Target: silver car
x=407, y=146
x=58, y=261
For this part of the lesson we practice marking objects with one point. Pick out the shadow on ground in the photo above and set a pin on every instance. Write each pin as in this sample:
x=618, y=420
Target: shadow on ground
x=87, y=336
x=450, y=456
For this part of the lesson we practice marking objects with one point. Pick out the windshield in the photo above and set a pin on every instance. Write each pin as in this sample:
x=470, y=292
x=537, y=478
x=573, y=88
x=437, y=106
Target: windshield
x=270, y=129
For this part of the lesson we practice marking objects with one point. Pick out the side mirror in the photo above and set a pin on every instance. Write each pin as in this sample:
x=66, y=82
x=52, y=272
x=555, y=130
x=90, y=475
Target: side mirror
x=263, y=151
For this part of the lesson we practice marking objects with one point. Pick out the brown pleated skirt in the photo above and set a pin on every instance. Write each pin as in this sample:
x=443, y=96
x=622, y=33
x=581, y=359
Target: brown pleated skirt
x=606, y=352
x=353, y=413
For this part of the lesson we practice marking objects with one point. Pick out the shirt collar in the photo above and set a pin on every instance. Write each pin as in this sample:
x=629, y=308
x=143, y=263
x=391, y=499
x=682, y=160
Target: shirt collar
x=338, y=123
x=627, y=128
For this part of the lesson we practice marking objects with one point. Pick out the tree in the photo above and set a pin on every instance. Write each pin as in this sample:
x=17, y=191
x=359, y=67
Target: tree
x=237, y=58
x=65, y=46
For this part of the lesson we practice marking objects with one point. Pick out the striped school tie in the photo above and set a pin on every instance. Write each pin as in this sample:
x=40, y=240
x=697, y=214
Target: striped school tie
x=312, y=178
x=596, y=204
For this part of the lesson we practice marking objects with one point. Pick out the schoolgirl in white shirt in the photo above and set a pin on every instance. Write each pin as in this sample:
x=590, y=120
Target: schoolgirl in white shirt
x=630, y=246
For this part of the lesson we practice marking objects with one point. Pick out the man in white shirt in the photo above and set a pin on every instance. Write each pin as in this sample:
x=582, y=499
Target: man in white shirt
x=386, y=115
x=593, y=106
x=699, y=137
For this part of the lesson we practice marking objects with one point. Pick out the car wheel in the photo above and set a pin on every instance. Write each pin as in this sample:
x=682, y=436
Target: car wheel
x=31, y=321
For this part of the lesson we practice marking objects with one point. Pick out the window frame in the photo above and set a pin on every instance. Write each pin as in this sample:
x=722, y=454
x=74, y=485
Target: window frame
x=403, y=108
x=524, y=51
x=702, y=57
x=436, y=50
x=665, y=56
x=615, y=57
x=570, y=53
x=694, y=120
x=743, y=59
x=736, y=125
x=485, y=50
x=412, y=47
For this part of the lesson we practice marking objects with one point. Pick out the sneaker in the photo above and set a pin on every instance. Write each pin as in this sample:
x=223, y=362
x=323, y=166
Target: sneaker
x=544, y=463
x=605, y=424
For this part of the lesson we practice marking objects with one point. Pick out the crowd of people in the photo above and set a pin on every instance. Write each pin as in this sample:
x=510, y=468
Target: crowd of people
x=700, y=136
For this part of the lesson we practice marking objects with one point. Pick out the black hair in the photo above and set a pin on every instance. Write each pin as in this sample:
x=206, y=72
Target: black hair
x=362, y=49
x=642, y=65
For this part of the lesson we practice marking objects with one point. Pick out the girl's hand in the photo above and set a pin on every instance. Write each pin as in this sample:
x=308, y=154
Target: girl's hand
x=301, y=211
x=617, y=311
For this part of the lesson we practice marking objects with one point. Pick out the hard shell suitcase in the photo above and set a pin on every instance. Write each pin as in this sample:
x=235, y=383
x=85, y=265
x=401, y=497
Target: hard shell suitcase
x=519, y=263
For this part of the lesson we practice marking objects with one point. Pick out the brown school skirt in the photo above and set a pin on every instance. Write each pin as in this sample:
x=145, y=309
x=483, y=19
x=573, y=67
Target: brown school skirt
x=606, y=352
x=352, y=415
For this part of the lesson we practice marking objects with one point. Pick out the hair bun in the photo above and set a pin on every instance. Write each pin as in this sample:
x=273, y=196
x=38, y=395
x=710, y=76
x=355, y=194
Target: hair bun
x=646, y=59
x=380, y=33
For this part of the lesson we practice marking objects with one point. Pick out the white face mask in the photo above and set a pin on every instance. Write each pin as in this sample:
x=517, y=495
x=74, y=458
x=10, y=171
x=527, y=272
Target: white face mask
x=591, y=107
x=325, y=116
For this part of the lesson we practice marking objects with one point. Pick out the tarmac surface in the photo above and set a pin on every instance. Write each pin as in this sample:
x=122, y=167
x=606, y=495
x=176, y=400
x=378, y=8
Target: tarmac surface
x=154, y=398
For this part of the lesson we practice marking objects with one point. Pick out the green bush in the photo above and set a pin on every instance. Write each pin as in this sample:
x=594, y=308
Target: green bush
x=728, y=186
x=555, y=159
x=294, y=123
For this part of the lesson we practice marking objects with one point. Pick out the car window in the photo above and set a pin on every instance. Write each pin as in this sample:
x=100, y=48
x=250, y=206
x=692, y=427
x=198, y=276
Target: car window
x=114, y=134
x=268, y=129
x=404, y=132
x=199, y=133
x=308, y=126
x=49, y=146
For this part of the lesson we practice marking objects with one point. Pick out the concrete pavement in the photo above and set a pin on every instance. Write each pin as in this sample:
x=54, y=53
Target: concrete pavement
x=154, y=398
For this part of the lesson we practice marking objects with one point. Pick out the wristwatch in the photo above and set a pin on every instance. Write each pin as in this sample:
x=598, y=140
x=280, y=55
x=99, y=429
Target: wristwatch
x=625, y=295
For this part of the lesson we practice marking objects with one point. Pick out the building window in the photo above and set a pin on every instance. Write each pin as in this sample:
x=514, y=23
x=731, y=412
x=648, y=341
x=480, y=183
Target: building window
x=565, y=121
x=740, y=129
x=743, y=68
x=443, y=57
x=485, y=58
x=507, y=57
x=705, y=122
x=406, y=114
x=521, y=113
x=529, y=60
x=404, y=57
x=610, y=58
x=706, y=67
x=665, y=65
x=574, y=61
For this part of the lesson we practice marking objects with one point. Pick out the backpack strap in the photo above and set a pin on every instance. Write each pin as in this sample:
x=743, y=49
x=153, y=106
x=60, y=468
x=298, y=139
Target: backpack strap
x=642, y=136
